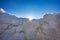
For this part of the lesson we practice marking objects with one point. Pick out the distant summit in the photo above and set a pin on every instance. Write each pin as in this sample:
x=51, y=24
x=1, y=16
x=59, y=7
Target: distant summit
x=2, y=10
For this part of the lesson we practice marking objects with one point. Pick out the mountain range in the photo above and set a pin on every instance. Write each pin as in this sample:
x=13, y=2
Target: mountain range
x=14, y=28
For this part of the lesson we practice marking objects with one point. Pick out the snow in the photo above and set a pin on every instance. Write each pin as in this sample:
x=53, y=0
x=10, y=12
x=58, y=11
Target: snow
x=13, y=28
x=2, y=10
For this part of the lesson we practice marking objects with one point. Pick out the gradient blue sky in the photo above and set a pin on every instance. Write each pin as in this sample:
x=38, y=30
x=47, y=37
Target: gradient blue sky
x=30, y=8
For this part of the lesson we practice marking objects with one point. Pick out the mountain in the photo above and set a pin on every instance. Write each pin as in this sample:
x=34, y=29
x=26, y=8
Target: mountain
x=14, y=28
x=2, y=10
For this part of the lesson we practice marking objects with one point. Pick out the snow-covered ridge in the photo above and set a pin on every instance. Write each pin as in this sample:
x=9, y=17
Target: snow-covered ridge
x=13, y=28
x=2, y=10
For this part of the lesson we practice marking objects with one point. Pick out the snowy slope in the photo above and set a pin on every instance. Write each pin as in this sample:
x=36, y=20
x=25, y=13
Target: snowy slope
x=13, y=28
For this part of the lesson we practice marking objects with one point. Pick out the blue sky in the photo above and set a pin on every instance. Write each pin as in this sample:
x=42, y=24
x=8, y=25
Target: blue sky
x=30, y=8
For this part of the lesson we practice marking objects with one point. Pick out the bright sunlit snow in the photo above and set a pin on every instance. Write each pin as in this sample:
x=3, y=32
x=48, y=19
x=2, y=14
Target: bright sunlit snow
x=2, y=10
x=30, y=18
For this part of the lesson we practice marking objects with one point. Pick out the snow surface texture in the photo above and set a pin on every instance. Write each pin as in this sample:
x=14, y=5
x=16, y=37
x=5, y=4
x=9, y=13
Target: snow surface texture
x=13, y=28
